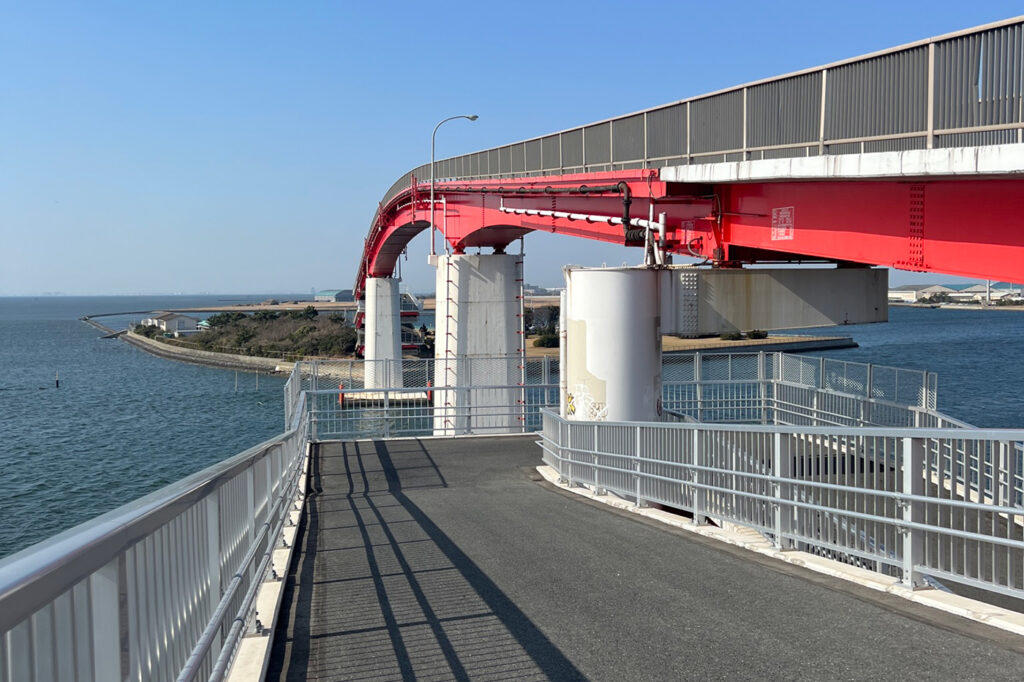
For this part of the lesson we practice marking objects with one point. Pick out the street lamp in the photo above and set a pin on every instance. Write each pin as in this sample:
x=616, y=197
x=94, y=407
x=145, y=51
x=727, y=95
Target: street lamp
x=471, y=117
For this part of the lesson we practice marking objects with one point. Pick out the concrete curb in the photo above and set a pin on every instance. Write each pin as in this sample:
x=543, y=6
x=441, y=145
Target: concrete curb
x=749, y=539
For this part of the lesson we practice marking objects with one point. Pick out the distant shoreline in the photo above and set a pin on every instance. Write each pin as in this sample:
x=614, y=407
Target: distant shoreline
x=670, y=345
x=957, y=306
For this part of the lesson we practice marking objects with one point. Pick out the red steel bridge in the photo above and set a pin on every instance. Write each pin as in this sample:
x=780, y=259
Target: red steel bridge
x=909, y=158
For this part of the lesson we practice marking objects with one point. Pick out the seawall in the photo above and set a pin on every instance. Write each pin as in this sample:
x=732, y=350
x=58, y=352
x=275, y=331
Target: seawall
x=209, y=358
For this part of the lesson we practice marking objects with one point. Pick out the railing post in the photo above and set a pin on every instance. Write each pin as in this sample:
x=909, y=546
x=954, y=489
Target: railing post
x=213, y=556
x=387, y=413
x=697, y=379
x=598, y=490
x=866, y=416
x=698, y=492
x=104, y=598
x=568, y=449
x=782, y=468
x=312, y=400
x=639, y=500
x=1003, y=480
x=821, y=113
x=913, y=510
x=762, y=386
x=931, y=96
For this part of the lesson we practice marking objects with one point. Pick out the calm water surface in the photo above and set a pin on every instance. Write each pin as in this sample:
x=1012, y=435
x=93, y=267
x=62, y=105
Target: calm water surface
x=978, y=355
x=125, y=423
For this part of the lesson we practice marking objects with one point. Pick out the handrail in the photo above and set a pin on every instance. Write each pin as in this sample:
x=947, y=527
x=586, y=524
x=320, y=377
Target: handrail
x=198, y=524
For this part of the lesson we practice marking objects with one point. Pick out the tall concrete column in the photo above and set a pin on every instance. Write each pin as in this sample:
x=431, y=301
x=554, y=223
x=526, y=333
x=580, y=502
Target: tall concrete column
x=383, y=341
x=476, y=343
x=612, y=344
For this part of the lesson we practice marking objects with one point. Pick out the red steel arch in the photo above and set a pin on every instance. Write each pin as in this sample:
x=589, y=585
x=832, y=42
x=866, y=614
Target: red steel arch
x=968, y=226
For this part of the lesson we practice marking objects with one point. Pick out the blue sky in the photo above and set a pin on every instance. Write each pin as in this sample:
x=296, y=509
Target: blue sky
x=242, y=147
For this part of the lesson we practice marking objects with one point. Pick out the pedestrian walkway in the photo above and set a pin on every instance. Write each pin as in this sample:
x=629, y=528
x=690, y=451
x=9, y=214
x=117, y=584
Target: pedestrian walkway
x=447, y=559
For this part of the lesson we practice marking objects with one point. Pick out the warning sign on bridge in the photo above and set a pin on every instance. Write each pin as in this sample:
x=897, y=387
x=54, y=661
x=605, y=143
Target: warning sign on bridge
x=782, y=223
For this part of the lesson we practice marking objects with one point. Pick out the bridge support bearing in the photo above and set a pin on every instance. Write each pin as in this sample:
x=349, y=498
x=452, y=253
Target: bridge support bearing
x=476, y=343
x=612, y=344
x=383, y=345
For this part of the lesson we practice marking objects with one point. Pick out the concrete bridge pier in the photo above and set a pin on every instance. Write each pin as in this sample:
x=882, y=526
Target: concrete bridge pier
x=478, y=341
x=612, y=344
x=383, y=340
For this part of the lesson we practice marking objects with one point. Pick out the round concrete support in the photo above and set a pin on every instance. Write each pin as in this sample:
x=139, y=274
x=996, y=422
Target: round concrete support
x=612, y=344
x=383, y=345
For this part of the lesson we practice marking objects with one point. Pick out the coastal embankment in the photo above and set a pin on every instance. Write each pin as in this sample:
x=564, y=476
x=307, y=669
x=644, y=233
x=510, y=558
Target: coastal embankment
x=791, y=344
x=247, y=363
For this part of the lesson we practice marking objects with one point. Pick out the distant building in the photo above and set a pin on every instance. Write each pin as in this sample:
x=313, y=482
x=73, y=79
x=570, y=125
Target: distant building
x=911, y=293
x=203, y=326
x=171, y=322
x=982, y=292
x=333, y=296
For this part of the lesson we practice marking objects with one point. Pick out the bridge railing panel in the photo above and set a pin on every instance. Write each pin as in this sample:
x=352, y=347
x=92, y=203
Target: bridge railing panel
x=161, y=588
x=946, y=504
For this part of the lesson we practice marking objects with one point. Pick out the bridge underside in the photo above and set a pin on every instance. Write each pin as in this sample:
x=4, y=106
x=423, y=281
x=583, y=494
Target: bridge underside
x=971, y=225
x=396, y=580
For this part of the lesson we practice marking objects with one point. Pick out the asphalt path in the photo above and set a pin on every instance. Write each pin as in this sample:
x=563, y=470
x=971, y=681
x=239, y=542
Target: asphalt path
x=451, y=559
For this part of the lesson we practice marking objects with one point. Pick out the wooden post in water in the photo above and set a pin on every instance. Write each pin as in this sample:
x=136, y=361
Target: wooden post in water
x=56, y=379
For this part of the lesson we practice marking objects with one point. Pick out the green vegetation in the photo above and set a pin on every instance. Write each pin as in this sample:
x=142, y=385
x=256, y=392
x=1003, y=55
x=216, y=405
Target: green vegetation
x=546, y=340
x=730, y=336
x=148, y=330
x=307, y=313
x=272, y=334
x=224, y=319
x=757, y=334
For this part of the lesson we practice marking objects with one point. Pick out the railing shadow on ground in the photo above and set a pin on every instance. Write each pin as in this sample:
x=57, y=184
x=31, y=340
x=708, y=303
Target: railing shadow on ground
x=425, y=606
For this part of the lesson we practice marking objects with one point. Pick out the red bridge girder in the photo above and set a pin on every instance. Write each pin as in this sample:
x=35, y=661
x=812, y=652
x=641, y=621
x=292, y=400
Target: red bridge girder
x=972, y=227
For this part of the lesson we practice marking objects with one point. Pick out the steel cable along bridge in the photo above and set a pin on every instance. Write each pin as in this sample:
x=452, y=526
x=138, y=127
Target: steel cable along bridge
x=878, y=160
x=437, y=560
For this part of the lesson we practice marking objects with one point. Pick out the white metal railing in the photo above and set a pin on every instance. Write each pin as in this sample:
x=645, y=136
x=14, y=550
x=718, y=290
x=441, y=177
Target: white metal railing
x=420, y=411
x=162, y=588
x=889, y=499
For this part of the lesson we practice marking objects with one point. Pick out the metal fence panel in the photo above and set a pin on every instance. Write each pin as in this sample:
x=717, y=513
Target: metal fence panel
x=551, y=157
x=628, y=139
x=597, y=144
x=572, y=148
x=784, y=111
x=884, y=95
x=533, y=152
x=716, y=123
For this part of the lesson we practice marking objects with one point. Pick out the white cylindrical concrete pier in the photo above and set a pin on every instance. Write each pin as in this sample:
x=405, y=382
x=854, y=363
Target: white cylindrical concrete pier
x=476, y=344
x=383, y=342
x=612, y=344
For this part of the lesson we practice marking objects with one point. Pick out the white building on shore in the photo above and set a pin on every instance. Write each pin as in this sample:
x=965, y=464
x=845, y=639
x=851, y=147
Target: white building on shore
x=171, y=322
x=912, y=293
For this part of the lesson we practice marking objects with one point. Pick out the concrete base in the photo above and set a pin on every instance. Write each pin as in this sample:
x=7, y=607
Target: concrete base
x=705, y=301
x=476, y=343
x=383, y=344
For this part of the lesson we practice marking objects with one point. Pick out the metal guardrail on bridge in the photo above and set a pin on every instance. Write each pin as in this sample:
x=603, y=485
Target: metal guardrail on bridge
x=162, y=588
x=813, y=453
x=889, y=499
x=955, y=90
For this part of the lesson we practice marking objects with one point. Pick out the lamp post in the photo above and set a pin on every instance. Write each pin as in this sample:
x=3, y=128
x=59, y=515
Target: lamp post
x=471, y=117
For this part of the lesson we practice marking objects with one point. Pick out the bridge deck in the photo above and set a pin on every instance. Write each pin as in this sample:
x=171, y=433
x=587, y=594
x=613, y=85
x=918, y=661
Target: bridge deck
x=443, y=559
